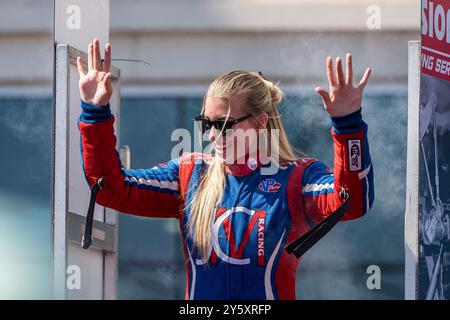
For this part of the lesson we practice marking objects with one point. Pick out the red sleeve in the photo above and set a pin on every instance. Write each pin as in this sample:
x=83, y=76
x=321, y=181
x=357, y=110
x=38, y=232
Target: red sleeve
x=145, y=192
x=353, y=172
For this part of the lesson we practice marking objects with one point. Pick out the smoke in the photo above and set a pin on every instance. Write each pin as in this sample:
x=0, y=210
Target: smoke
x=308, y=127
x=27, y=119
x=25, y=248
x=336, y=266
x=387, y=119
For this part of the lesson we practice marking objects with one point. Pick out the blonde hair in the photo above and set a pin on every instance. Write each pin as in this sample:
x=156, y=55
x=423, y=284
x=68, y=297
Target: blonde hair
x=260, y=95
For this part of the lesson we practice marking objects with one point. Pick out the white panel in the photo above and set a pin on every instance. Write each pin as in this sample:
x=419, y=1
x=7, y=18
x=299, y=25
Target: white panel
x=59, y=194
x=78, y=188
x=412, y=173
x=93, y=22
x=111, y=216
x=90, y=263
x=93, y=263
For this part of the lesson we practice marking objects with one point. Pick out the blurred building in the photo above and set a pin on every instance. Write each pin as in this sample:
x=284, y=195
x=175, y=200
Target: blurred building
x=188, y=42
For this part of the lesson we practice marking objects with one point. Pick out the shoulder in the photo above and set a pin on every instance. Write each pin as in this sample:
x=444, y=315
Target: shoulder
x=301, y=163
x=188, y=162
x=308, y=170
x=192, y=158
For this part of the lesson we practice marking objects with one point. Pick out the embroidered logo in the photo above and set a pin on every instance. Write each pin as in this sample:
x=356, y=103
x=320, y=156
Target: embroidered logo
x=231, y=246
x=252, y=164
x=354, y=155
x=269, y=185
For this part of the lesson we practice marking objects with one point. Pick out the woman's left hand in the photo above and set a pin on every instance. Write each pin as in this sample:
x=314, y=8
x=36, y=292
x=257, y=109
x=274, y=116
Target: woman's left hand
x=343, y=97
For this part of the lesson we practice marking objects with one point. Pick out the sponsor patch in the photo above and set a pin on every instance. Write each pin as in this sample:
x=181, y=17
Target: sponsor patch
x=269, y=185
x=261, y=241
x=252, y=164
x=354, y=155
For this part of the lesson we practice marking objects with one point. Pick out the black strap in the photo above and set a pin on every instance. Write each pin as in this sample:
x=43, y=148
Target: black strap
x=86, y=241
x=305, y=242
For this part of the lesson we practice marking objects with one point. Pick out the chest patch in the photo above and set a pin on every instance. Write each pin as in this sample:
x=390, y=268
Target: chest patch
x=269, y=185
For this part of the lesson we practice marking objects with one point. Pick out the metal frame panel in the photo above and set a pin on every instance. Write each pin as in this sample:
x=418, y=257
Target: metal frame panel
x=412, y=174
x=60, y=174
x=93, y=19
x=67, y=224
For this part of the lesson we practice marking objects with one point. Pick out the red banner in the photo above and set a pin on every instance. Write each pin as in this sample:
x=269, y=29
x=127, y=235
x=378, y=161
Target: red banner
x=435, y=59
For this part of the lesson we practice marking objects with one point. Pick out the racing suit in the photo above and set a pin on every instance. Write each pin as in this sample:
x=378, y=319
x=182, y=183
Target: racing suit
x=259, y=214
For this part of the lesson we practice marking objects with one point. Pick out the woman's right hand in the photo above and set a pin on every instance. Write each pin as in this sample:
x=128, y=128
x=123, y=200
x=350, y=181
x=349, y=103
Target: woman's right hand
x=95, y=84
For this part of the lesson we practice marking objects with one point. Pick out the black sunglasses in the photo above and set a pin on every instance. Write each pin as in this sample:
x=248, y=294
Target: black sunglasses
x=205, y=124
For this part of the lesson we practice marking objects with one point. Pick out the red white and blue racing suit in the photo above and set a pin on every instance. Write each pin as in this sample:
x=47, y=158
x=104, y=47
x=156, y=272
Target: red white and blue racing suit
x=259, y=214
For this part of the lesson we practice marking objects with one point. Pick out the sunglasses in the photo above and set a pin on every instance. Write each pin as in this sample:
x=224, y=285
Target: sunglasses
x=205, y=124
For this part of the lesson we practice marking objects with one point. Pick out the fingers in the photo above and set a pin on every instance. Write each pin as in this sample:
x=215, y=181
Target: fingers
x=349, y=69
x=90, y=57
x=107, y=82
x=97, y=56
x=365, y=78
x=81, y=68
x=324, y=94
x=107, y=62
x=340, y=72
x=330, y=72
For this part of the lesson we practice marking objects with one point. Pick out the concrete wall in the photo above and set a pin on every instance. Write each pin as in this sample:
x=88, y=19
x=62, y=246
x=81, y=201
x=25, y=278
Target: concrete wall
x=188, y=42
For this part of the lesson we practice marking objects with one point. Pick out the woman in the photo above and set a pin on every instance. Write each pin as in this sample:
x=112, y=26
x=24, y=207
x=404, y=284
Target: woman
x=235, y=220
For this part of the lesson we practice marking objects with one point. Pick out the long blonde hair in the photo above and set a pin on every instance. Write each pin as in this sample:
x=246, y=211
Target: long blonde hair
x=260, y=95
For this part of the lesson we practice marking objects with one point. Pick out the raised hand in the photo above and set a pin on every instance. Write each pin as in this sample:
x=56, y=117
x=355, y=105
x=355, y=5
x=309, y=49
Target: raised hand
x=95, y=84
x=343, y=97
